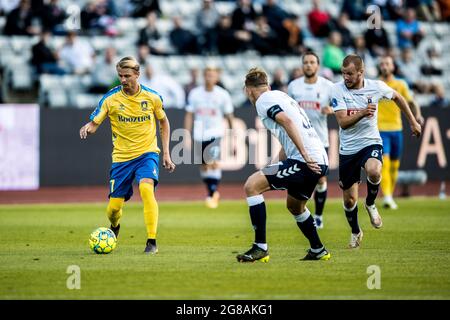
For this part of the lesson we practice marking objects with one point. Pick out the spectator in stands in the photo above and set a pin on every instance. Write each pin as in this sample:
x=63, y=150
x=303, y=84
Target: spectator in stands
x=183, y=40
x=171, y=91
x=44, y=59
x=95, y=18
x=206, y=21
x=295, y=73
x=6, y=6
x=370, y=65
x=104, y=71
x=427, y=10
x=53, y=17
x=230, y=41
x=278, y=82
x=377, y=41
x=77, y=55
x=390, y=9
x=356, y=9
x=264, y=38
x=194, y=72
x=341, y=25
x=432, y=63
x=243, y=16
x=319, y=21
x=333, y=55
x=444, y=9
x=409, y=33
x=440, y=101
x=19, y=21
x=284, y=24
x=149, y=34
x=143, y=7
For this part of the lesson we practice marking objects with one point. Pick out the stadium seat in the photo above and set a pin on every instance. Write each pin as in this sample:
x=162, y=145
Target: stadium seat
x=57, y=98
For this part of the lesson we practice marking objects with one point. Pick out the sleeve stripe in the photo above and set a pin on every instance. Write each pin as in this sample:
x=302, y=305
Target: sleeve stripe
x=97, y=110
x=273, y=111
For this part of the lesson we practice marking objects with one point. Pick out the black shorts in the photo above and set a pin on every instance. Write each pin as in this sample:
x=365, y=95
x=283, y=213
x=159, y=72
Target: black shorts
x=350, y=165
x=207, y=152
x=295, y=176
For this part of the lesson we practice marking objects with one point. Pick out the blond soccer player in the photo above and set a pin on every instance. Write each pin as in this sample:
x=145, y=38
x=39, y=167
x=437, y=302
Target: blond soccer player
x=132, y=110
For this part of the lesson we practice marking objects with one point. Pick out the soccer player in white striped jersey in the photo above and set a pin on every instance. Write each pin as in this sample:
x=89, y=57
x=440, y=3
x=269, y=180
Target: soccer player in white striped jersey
x=355, y=104
x=206, y=109
x=313, y=94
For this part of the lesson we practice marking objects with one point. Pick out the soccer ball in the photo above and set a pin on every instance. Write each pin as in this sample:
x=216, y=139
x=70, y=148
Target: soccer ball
x=102, y=240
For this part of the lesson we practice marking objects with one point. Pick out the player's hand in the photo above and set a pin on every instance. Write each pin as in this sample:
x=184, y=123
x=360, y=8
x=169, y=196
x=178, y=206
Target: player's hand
x=168, y=164
x=420, y=120
x=88, y=128
x=416, y=129
x=370, y=110
x=314, y=167
x=327, y=110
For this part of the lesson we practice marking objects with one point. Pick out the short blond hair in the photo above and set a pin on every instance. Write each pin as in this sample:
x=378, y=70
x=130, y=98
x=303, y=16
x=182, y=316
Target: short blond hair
x=256, y=77
x=128, y=63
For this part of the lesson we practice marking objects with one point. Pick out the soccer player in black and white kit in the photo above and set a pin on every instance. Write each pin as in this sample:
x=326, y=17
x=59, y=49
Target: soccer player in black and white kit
x=313, y=94
x=303, y=161
x=355, y=101
x=207, y=107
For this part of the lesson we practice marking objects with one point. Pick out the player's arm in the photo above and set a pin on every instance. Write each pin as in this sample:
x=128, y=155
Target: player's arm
x=89, y=128
x=404, y=107
x=188, y=120
x=283, y=120
x=164, y=128
x=229, y=117
x=416, y=112
x=346, y=121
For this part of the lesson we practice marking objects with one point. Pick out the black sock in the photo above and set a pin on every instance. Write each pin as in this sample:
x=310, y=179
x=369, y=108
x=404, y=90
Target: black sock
x=319, y=200
x=372, y=192
x=211, y=185
x=151, y=241
x=352, y=218
x=309, y=230
x=258, y=217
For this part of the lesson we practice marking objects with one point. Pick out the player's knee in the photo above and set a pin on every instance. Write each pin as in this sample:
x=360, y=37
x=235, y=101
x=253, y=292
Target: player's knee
x=349, y=202
x=250, y=187
x=115, y=205
x=374, y=175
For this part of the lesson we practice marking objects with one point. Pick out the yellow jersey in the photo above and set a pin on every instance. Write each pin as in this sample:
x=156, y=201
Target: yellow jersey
x=133, y=122
x=389, y=114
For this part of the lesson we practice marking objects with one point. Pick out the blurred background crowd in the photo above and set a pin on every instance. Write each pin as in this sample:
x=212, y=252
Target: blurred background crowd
x=62, y=53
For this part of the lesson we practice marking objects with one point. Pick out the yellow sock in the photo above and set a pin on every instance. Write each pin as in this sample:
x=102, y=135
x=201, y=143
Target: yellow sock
x=386, y=181
x=114, y=210
x=395, y=165
x=150, y=208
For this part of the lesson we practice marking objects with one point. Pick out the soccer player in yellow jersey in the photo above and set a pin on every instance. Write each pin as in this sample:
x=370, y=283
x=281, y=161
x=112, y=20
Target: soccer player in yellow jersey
x=390, y=126
x=132, y=110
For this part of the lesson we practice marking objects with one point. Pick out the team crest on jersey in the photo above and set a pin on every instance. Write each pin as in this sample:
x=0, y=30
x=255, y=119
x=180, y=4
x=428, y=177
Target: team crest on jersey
x=121, y=107
x=369, y=100
x=144, y=105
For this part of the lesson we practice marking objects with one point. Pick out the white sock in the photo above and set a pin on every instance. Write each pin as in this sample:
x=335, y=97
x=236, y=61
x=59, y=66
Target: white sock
x=262, y=246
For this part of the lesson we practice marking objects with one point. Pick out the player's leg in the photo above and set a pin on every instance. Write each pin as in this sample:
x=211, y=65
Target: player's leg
x=320, y=196
x=147, y=176
x=120, y=190
x=386, y=180
x=396, y=152
x=254, y=187
x=372, y=167
x=350, y=197
x=210, y=171
x=305, y=222
x=114, y=213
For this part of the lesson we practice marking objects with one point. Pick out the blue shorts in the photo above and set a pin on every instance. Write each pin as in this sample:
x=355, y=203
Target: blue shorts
x=122, y=174
x=392, y=143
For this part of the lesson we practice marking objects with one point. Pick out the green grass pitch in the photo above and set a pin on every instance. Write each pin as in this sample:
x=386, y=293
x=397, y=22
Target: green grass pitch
x=197, y=248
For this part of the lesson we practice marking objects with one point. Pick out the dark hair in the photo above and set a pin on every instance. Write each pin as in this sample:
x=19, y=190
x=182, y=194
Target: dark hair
x=311, y=53
x=355, y=59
